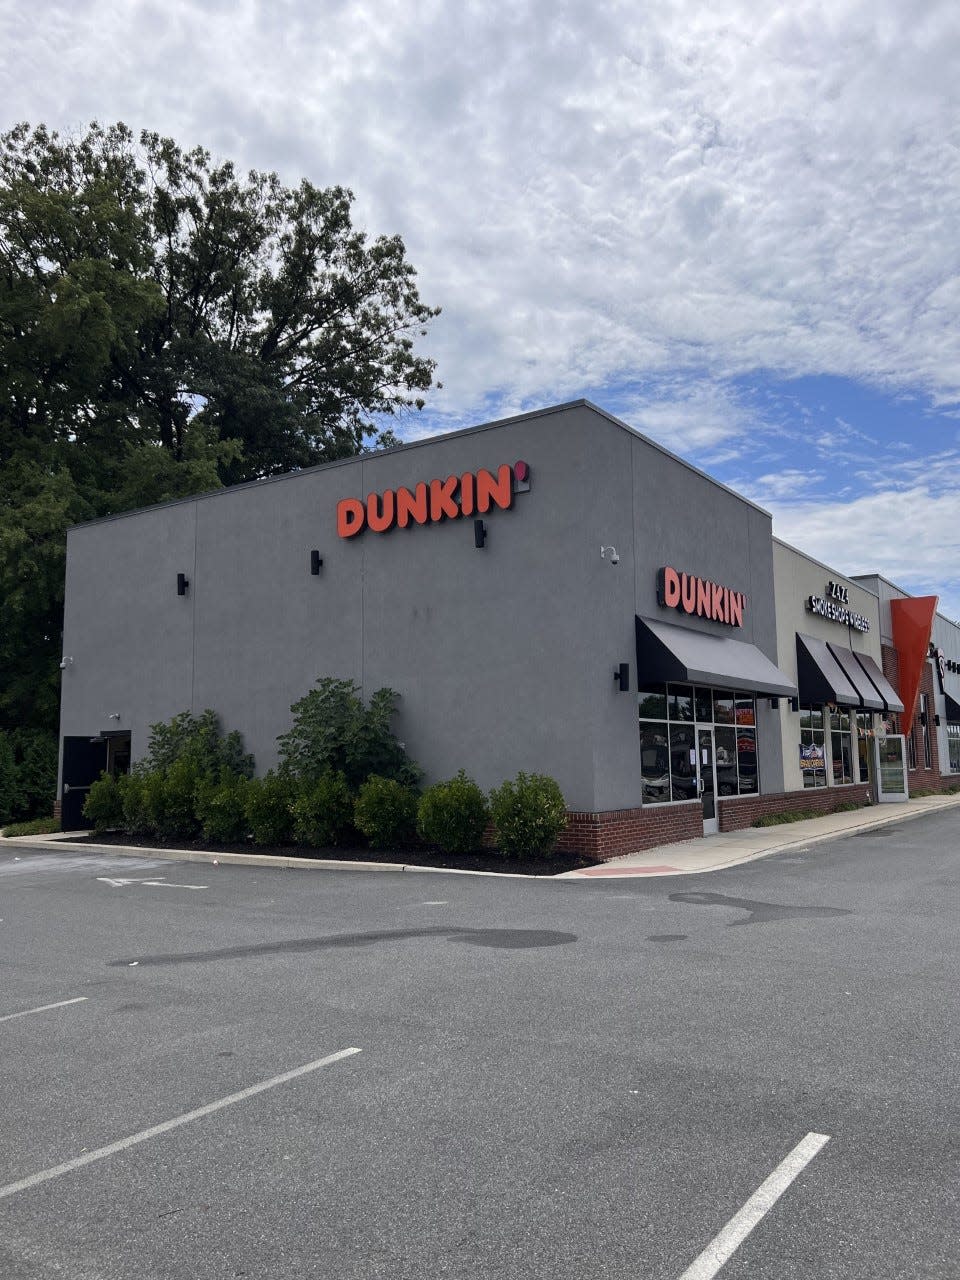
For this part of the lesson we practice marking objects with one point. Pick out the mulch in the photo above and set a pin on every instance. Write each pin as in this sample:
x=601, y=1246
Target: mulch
x=483, y=860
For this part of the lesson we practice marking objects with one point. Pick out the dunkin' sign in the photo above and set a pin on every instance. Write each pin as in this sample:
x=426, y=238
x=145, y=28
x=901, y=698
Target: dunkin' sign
x=473, y=493
x=701, y=597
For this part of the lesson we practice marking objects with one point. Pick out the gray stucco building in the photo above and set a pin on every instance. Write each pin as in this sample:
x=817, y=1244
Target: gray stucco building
x=528, y=587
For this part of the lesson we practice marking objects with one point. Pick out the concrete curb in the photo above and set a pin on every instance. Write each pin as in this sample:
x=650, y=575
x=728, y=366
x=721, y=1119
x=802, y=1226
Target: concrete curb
x=59, y=843
x=632, y=867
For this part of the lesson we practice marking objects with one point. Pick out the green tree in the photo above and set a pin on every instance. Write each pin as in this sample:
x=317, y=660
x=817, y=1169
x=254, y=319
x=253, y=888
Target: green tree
x=168, y=325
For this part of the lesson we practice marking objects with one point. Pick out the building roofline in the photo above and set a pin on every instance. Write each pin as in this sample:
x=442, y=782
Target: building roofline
x=410, y=445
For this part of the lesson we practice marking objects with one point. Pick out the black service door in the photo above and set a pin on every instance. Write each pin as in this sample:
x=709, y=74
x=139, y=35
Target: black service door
x=83, y=762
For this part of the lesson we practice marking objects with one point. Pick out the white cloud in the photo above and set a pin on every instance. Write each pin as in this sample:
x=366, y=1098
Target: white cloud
x=911, y=536
x=593, y=194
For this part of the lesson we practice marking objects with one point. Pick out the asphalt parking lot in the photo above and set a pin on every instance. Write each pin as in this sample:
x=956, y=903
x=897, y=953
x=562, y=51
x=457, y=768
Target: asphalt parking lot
x=222, y=1072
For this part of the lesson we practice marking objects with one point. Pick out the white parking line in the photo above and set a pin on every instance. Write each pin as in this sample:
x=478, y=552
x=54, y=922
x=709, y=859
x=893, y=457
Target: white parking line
x=722, y=1246
x=42, y=1008
x=101, y=1153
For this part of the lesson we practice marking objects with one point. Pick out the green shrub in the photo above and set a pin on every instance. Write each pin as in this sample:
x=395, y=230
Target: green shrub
x=9, y=793
x=267, y=805
x=133, y=798
x=36, y=827
x=333, y=732
x=201, y=742
x=323, y=812
x=177, y=818
x=529, y=813
x=103, y=807
x=781, y=819
x=386, y=812
x=221, y=808
x=154, y=802
x=453, y=815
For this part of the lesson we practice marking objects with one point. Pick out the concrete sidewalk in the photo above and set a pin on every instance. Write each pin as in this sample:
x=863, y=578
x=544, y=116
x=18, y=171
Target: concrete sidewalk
x=730, y=848
x=691, y=857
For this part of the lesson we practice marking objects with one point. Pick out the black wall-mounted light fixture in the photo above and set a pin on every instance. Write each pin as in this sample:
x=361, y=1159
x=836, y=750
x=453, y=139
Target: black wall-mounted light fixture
x=794, y=704
x=774, y=704
x=621, y=676
x=479, y=533
x=182, y=583
x=936, y=721
x=316, y=562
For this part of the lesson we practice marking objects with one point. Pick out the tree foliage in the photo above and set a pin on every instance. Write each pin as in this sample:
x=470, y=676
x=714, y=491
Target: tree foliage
x=168, y=325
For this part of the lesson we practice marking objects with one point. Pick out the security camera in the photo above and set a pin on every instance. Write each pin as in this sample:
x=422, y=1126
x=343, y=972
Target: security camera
x=614, y=558
x=65, y=662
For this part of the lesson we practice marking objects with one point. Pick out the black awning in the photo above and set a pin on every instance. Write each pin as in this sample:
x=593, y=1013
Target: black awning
x=667, y=652
x=891, y=699
x=870, y=697
x=953, y=709
x=821, y=677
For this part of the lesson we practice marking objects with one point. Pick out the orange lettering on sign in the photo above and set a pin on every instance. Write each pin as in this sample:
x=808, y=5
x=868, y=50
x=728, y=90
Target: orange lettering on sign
x=380, y=518
x=414, y=506
x=443, y=502
x=693, y=595
x=351, y=517
x=466, y=493
x=499, y=490
x=671, y=588
x=433, y=501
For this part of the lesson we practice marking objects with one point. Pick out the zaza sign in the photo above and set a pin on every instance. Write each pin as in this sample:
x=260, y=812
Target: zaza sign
x=835, y=606
x=429, y=502
x=701, y=597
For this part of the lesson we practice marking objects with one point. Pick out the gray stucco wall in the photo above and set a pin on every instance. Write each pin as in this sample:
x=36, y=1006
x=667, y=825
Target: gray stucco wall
x=503, y=656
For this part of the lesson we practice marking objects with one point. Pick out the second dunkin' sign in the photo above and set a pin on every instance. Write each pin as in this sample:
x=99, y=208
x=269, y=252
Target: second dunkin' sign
x=701, y=597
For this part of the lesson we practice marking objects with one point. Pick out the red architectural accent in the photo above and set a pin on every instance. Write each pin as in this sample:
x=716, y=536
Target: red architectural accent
x=912, y=624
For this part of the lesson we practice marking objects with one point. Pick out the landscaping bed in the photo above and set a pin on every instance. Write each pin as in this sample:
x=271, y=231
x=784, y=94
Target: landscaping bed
x=482, y=860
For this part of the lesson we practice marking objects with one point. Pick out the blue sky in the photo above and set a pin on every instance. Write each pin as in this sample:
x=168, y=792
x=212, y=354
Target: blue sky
x=736, y=227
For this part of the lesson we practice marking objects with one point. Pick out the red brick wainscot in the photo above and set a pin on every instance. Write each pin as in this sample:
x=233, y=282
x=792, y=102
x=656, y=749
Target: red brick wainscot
x=737, y=812
x=614, y=831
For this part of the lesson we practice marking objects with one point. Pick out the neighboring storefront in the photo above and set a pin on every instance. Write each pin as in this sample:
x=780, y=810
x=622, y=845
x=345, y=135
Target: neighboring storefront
x=945, y=665
x=914, y=640
x=828, y=630
x=551, y=593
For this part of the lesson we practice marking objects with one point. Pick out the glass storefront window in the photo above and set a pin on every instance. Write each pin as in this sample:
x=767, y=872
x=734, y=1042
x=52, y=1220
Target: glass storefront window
x=841, y=747
x=812, y=748
x=747, y=760
x=667, y=714
x=723, y=712
x=680, y=702
x=953, y=746
x=653, y=702
x=654, y=763
x=725, y=737
x=703, y=703
x=864, y=735
x=683, y=767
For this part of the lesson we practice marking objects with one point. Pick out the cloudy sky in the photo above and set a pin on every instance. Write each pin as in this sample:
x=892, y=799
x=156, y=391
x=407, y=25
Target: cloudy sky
x=735, y=225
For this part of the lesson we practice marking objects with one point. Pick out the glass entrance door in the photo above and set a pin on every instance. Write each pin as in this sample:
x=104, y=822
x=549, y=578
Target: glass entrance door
x=707, y=780
x=892, y=768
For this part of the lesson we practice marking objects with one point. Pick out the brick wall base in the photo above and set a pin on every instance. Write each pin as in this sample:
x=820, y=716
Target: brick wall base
x=614, y=831
x=737, y=812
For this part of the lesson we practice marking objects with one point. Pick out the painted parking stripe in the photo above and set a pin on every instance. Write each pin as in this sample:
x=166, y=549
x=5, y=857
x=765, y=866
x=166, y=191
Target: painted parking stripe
x=722, y=1246
x=42, y=1008
x=46, y=1175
